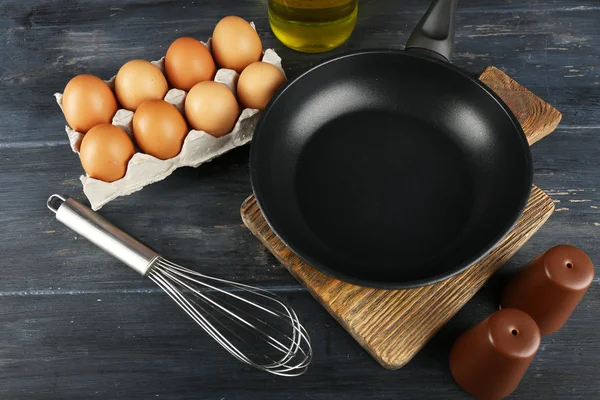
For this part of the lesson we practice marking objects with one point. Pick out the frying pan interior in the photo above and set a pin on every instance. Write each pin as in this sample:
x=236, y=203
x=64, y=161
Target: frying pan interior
x=389, y=169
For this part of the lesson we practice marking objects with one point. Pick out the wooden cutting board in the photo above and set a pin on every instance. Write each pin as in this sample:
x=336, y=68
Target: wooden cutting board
x=393, y=325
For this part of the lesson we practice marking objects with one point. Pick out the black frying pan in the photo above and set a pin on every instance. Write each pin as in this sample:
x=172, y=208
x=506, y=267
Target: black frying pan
x=391, y=169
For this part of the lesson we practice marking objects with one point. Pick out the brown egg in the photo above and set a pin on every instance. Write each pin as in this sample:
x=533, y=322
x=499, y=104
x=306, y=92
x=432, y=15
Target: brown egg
x=88, y=101
x=159, y=129
x=212, y=108
x=105, y=152
x=258, y=83
x=138, y=81
x=235, y=44
x=188, y=62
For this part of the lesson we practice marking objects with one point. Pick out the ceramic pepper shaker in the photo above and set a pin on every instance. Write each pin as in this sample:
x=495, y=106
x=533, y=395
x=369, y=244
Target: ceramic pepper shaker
x=549, y=287
x=489, y=360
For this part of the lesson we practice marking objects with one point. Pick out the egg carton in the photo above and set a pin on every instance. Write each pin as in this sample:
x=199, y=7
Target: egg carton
x=198, y=148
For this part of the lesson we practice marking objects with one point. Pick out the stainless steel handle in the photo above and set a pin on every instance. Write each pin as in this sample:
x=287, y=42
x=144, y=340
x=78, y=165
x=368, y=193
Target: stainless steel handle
x=102, y=233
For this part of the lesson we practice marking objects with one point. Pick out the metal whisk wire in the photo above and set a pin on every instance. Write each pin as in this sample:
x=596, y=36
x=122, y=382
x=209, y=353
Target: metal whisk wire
x=176, y=280
x=212, y=303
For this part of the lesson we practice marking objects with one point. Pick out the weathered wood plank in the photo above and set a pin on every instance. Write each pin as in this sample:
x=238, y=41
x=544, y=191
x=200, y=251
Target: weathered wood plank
x=73, y=347
x=193, y=216
x=551, y=48
x=210, y=236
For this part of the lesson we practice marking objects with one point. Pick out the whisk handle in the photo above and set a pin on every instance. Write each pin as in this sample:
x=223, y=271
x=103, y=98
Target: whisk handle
x=102, y=233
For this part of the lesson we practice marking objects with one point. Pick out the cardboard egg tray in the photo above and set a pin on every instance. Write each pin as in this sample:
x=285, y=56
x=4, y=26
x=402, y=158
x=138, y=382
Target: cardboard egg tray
x=198, y=147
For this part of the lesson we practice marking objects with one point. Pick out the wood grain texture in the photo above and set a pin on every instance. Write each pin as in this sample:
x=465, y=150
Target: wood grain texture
x=58, y=341
x=537, y=118
x=393, y=325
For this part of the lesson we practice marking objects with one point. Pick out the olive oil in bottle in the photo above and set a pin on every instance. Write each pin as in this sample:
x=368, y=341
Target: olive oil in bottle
x=312, y=26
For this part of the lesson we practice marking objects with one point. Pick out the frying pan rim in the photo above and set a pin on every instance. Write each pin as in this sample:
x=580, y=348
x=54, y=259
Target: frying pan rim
x=450, y=272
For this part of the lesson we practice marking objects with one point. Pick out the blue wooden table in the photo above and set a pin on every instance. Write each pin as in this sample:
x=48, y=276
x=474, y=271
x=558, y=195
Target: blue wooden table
x=75, y=324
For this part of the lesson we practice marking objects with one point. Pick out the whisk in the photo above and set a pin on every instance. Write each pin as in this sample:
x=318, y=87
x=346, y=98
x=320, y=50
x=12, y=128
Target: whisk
x=252, y=324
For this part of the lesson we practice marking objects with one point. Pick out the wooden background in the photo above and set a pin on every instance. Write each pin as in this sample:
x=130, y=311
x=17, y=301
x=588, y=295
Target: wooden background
x=76, y=324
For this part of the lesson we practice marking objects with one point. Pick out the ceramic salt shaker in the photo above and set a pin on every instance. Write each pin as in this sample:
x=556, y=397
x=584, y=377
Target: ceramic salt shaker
x=489, y=360
x=550, y=286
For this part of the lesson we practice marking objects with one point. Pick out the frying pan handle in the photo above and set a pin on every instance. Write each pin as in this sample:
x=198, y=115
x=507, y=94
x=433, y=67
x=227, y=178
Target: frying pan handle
x=434, y=34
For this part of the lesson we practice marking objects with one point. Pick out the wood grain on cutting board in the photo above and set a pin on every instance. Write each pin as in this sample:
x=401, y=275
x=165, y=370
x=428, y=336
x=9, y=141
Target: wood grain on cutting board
x=393, y=325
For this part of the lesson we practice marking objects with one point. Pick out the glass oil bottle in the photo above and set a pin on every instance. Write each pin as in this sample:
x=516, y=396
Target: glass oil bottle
x=312, y=26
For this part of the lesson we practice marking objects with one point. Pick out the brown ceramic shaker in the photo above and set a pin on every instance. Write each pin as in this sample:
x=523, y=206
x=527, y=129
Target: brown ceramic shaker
x=489, y=360
x=549, y=287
